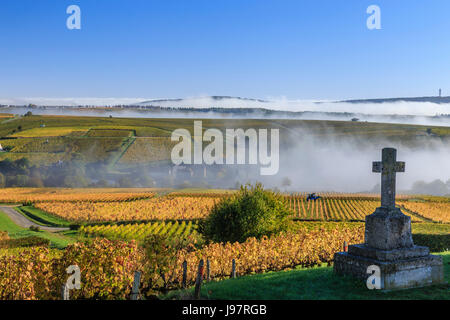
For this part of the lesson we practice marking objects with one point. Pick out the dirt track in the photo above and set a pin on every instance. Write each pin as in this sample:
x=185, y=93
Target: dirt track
x=24, y=222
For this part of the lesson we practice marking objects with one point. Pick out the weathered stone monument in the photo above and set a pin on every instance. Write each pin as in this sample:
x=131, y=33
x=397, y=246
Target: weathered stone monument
x=388, y=241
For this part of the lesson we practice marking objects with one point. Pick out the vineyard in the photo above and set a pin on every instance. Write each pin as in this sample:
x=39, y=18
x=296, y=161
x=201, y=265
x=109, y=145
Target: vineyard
x=160, y=208
x=140, y=204
x=144, y=150
x=435, y=211
x=37, y=158
x=50, y=145
x=109, y=133
x=48, y=132
x=188, y=206
x=140, y=231
x=35, y=195
x=108, y=266
x=341, y=208
x=110, y=216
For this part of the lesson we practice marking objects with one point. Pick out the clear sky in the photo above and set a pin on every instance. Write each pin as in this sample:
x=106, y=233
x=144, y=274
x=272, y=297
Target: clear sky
x=249, y=48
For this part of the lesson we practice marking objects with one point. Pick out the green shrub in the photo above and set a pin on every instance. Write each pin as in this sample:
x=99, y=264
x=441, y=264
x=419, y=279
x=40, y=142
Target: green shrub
x=252, y=212
x=34, y=228
x=31, y=241
x=436, y=242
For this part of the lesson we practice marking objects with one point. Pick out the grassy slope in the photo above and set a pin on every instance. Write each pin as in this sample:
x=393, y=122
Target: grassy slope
x=164, y=127
x=315, y=283
x=56, y=239
x=42, y=218
x=292, y=129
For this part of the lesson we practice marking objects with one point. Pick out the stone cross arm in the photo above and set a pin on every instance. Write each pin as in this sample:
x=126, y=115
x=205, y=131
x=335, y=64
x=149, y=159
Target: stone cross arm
x=377, y=166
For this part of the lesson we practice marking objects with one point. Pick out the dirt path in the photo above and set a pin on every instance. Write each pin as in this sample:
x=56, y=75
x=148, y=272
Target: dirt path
x=24, y=222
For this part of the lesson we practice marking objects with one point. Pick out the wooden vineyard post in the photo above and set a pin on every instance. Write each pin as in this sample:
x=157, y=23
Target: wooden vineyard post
x=208, y=271
x=184, y=274
x=198, y=281
x=135, y=290
x=233, y=269
x=65, y=292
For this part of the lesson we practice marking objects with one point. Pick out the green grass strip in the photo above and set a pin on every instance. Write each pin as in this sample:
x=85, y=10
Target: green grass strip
x=319, y=283
x=14, y=231
x=42, y=218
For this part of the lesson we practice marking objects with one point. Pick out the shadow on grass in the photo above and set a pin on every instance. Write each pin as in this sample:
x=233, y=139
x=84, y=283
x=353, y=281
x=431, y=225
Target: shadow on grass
x=309, y=284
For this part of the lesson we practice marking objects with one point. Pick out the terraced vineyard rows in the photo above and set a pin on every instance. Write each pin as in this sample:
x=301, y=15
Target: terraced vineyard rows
x=109, y=133
x=37, y=158
x=22, y=145
x=140, y=231
x=145, y=150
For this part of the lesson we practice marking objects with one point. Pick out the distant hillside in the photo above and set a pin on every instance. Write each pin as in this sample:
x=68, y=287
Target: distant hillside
x=434, y=99
x=213, y=98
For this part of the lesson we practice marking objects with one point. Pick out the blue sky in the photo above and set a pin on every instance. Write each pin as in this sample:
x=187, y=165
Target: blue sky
x=250, y=48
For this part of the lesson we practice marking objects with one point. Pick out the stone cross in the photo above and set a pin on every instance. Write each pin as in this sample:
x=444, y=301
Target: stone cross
x=388, y=167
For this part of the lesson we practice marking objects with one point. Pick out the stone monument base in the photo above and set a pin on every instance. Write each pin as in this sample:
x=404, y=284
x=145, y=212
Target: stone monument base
x=400, y=268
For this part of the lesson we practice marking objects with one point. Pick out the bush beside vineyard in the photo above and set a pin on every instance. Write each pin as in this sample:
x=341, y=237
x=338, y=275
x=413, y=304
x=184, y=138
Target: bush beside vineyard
x=252, y=212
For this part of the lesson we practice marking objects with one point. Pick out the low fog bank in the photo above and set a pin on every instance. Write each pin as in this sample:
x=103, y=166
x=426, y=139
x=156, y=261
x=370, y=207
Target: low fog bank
x=131, y=112
x=425, y=107
x=307, y=163
x=345, y=165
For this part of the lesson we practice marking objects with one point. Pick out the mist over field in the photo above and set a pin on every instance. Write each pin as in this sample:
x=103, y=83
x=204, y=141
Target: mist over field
x=405, y=112
x=329, y=161
x=345, y=165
